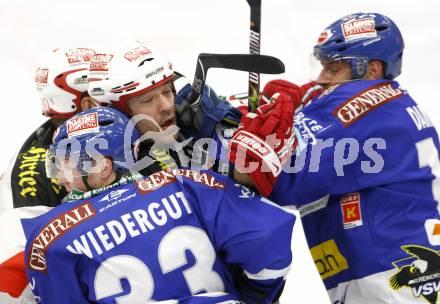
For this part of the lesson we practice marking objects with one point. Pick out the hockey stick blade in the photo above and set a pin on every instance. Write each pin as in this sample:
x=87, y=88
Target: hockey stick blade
x=242, y=62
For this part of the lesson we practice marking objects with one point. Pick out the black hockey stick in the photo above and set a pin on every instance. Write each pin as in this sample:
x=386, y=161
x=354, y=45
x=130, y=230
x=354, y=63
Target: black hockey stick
x=242, y=62
x=254, y=48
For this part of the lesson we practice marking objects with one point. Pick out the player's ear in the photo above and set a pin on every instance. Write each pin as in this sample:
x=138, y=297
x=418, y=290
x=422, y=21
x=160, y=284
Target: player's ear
x=375, y=70
x=88, y=102
x=107, y=169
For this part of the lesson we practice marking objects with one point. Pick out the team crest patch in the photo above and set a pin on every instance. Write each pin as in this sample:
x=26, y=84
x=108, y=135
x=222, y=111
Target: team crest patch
x=420, y=272
x=359, y=28
x=351, y=210
x=82, y=125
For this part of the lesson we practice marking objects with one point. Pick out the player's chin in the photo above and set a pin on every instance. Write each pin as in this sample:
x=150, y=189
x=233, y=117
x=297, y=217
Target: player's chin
x=67, y=187
x=168, y=122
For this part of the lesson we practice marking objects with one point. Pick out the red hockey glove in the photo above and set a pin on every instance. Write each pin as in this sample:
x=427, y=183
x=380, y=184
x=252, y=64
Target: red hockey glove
x=264, y=141
x=304, y=93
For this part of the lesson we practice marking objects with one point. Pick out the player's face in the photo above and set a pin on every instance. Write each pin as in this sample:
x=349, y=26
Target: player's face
x=71, y=180
x=158, y=104
x=77, y=182
x=334, y=72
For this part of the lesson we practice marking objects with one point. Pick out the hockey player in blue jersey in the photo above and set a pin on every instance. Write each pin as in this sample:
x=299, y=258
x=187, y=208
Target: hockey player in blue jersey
x=174, y=235
x=365, y=173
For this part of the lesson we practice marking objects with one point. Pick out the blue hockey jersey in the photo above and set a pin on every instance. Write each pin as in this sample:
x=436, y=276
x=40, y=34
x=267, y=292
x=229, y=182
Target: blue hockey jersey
x=168, y=236
x=366, y=182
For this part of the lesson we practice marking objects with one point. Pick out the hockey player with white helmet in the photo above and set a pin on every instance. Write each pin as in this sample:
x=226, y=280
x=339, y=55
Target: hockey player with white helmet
x=139, y=80
x=124, y=78
x=25, y=190
x=62, y=82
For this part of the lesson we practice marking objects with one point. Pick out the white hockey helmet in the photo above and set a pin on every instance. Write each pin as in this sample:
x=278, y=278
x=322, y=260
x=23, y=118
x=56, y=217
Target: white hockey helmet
x=131, y=70
x=62, y=79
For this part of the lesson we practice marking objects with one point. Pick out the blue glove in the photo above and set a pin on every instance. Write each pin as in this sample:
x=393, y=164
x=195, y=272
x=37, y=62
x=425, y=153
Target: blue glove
x=212, y=110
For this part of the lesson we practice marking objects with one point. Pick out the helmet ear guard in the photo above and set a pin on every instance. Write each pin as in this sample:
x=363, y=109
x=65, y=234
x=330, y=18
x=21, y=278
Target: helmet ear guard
x=359, y=67
x=361, y=38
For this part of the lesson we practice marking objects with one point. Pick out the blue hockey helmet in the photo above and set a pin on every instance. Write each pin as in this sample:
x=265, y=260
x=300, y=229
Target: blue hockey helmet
x=360, y=38
x=89, y=136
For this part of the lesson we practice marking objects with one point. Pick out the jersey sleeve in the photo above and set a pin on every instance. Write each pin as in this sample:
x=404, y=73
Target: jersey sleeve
x=310, y=176
x=376, y=148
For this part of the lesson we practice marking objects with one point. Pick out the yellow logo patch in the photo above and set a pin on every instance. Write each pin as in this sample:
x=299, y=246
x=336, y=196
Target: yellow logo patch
x=328, y=259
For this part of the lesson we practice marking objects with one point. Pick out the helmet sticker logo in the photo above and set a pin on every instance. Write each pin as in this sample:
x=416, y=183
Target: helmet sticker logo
x=129, y=87
x=136, y=53
x=83, y=79
x=325, y=36
x=132, y=69
x=156, y=71
x=79, y=55
x=99, y=62
x=82, y=125
x=97, y=92
x=359, y=28
x=41, y=76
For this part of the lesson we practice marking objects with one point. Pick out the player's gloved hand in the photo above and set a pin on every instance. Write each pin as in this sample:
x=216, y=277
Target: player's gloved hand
x=211, y=111
x=305, y=93
x=265, y=140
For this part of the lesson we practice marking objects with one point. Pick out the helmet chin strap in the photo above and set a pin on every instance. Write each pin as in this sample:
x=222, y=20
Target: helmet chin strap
x=86, y=182
x=89, y=188
x=118, y=176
